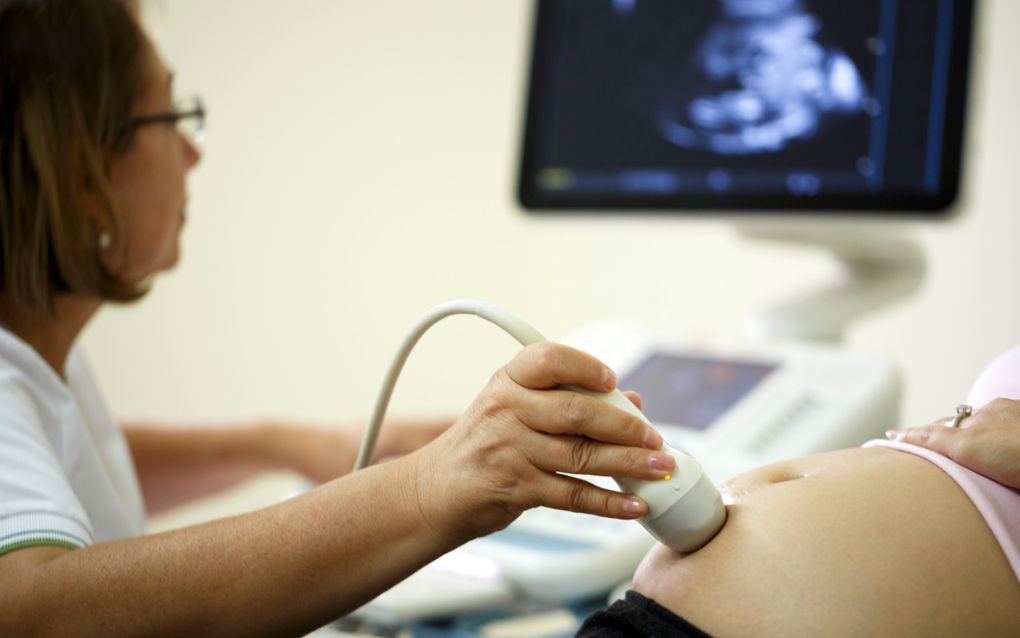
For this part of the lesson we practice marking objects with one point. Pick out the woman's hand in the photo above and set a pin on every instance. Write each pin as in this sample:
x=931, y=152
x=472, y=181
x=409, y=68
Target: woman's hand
x=510, y=449
x=987, y=442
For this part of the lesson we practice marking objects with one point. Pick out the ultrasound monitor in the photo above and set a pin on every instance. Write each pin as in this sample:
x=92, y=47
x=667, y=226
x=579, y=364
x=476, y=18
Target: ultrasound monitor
x=747, y=105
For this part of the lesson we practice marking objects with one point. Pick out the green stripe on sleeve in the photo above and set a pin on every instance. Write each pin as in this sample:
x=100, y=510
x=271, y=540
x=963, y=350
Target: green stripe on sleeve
x=37, y=542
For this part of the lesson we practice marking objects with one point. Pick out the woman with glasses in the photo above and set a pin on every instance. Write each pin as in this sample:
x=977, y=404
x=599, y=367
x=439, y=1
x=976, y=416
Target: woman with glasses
x=94, y=158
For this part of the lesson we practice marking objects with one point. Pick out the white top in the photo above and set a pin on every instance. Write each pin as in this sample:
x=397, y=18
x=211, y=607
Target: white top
x=66, y=475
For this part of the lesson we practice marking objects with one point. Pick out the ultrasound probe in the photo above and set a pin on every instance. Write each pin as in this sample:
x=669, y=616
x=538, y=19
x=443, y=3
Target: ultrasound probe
x=685, y=509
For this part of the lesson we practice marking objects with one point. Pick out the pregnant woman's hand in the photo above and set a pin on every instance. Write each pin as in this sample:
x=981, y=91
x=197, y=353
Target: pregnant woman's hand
x=987, y=442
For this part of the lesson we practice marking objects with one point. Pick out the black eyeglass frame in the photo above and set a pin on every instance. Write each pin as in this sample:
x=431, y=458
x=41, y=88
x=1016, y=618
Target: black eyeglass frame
x=194, y=110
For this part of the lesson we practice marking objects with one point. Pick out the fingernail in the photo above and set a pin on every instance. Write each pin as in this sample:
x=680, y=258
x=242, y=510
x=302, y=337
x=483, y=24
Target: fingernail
x=663, y=462
x=633, y=507
x=893, y=435
x=608, y=379
x=652, y=440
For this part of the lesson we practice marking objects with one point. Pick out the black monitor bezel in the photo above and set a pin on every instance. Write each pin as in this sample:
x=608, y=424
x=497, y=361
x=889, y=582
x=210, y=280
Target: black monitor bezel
x=933, y=206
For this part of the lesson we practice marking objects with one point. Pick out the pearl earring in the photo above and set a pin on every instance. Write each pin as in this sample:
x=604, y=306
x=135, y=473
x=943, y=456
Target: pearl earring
x=105, y=240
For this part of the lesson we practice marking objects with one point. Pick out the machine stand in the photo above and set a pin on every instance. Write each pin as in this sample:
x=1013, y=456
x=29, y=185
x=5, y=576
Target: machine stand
x=876, y=268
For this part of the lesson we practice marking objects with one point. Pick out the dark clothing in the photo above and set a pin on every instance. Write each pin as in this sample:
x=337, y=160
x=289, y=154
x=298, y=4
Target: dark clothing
x=636, y=615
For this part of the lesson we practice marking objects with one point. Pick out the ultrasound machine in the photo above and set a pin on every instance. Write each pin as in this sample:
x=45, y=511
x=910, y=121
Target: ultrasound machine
x=812, y=122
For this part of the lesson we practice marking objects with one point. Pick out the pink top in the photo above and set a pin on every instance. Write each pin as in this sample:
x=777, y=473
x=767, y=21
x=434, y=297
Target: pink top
x=998, y=504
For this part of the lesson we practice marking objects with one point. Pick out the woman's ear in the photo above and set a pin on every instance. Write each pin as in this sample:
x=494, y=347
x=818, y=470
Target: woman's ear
x=93, y=198
x=91, y=203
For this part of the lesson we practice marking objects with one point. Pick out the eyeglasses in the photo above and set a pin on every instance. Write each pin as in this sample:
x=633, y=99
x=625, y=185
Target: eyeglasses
x=188, y=115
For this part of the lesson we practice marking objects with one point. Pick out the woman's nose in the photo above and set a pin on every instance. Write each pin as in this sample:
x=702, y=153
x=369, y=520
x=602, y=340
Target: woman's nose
x=192, y=155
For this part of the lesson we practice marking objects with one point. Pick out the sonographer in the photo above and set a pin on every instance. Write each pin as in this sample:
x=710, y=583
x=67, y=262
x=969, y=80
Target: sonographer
x=94, y=157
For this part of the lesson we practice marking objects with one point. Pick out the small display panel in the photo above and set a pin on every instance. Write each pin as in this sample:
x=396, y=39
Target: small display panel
x=692, y=391
x=746, y=104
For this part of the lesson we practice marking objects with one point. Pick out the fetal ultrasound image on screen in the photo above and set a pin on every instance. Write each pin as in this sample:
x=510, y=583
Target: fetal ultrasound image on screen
x=798, y=97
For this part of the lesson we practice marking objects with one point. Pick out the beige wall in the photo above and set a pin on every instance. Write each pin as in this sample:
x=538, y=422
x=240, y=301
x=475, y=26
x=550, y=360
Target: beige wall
x=359, y=168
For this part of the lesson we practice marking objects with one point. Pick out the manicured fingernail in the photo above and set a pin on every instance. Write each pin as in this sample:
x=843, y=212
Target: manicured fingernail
x=652, y=440
x=893, y=435
x=663, y=462
x=633, y=507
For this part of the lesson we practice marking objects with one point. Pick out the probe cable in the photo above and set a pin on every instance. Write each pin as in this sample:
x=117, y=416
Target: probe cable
x=515, y=326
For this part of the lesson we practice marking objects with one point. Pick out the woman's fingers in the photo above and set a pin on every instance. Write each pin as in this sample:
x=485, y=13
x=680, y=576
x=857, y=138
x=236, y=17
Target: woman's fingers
x=934, y=436
x=991, y=452
x=581, y=455
x=546, y=365
x=574, y=495
x=988, y=442
x=569, y=412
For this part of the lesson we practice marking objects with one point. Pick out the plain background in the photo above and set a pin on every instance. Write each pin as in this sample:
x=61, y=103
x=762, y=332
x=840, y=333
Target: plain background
x=359, y=168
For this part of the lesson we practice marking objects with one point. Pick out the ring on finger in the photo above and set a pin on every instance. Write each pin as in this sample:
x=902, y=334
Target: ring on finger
x=962, y=412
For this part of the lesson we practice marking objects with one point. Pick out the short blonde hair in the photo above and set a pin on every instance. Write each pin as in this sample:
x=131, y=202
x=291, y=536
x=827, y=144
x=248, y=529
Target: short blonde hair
x=71, y=72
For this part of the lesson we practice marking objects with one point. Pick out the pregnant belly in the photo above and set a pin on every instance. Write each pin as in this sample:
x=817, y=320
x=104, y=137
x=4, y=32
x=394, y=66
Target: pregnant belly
x=855, y=542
